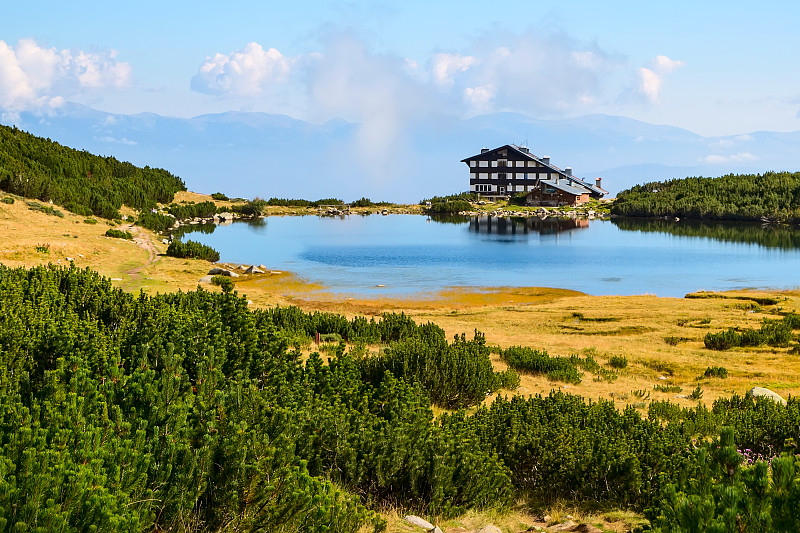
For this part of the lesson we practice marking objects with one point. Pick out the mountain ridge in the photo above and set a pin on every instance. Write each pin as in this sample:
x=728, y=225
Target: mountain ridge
x=262, y=154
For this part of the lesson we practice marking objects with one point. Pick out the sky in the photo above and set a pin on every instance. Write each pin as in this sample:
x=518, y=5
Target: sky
x=715, y=68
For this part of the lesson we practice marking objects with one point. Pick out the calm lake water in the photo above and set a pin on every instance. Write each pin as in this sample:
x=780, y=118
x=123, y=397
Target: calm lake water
x=410, y=254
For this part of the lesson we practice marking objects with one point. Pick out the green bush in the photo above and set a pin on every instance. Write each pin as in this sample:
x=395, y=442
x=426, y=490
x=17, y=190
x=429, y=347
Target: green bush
x=90, y=221
x=155, y=221
x=119, y=234
x=618, y=361
x=46, y=209
x=533, y=361
x=715, y=372
x=8, y=200
x=224, y=282
x=78, y=209
x=192, y=250
x=219, y=196
x=450, y=206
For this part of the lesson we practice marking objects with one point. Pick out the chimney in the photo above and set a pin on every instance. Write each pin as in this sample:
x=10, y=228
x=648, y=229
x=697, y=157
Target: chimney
x=484, y=150
x=546, y=160
x=568, y=171
x=597, y=181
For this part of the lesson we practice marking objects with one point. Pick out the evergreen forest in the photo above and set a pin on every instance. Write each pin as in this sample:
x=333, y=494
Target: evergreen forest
x=192, y=412
x=34, y=167
x=768, y=197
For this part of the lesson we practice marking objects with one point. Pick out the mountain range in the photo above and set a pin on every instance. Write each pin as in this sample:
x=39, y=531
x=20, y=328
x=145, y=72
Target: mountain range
x=257, y=154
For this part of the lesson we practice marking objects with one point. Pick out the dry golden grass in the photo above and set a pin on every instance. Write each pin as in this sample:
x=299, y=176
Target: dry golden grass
x=636, y=327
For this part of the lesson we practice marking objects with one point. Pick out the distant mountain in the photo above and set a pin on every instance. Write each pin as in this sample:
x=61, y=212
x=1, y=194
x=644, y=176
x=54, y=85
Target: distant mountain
x=250, y=154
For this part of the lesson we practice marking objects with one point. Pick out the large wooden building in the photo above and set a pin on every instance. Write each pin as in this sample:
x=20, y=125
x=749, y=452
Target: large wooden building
x=510, y=170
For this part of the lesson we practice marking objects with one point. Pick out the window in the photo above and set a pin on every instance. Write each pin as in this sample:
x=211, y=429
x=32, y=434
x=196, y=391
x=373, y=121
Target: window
x=502, y=163
x=483, y=163
x=472, y=164
x=501, y=176
x=520, y=163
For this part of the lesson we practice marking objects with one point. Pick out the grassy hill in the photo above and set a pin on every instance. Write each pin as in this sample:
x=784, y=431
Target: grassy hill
x=81, y=182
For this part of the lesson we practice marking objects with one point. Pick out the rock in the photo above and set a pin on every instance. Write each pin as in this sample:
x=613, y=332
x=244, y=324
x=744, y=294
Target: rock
x=489, y=528
x=165, y=241
x=662, y=378
x=262, y=267
x=563, y=526
x=275, y=272
x=223, y=272
x=69, y=259
x=253, y=270
x=761, y=392
x=205, y=279
x=421, y=522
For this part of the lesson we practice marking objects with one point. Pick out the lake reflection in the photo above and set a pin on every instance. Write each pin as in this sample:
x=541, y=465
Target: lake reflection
x=411, y=254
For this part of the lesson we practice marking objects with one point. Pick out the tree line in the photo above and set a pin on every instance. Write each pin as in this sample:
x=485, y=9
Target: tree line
x=772, y=197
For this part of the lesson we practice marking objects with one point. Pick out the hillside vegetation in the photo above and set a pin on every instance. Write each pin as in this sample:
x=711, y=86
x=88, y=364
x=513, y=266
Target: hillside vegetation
x=772, y=196
x=190, y=411
x=81, y=182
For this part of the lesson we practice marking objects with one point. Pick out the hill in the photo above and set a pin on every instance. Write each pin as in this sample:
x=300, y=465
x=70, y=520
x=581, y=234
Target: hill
x=81, y=182
x=772, y=196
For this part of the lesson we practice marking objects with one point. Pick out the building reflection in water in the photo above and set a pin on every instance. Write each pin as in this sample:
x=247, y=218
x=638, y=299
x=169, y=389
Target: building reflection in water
x=524, y=226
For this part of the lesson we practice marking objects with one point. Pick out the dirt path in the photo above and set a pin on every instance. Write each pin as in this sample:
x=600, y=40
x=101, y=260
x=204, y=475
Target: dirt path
x=144, y=240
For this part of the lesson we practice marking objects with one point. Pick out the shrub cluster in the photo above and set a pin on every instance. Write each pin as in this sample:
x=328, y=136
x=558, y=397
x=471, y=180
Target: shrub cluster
x=219, y=196
x=155, y=221
x=201, y=210
x=533, y=361
x=771, y=333
x=119, y=234
x=143, y=413
x=192, y=250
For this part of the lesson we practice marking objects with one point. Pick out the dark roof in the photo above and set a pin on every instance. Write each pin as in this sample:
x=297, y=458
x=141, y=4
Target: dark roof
x=564, y=185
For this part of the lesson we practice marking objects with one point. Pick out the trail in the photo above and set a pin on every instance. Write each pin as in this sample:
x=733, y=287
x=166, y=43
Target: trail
x=143, y=240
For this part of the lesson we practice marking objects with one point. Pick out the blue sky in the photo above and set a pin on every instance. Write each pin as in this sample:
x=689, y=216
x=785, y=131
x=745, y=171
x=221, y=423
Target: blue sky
x=715, y=68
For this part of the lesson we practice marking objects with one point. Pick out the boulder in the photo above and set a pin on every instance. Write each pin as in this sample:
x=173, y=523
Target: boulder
x=761, y=392
x=421, y=522
x=253, y=270
x=489, y=528
x=417, y=521
x=223, y=272
x=563, y=526
x=205, y=279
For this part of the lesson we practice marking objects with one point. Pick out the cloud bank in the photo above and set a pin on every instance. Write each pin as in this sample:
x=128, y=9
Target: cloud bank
x=35, y=77
x=246, y=72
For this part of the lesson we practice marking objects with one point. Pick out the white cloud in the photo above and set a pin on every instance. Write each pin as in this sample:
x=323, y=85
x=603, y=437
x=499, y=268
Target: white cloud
x=536, y=73
x=479, y=98
x=741, y=157
x=246, y=72
x=650, y=79
x=445, y=66
x=35, y=77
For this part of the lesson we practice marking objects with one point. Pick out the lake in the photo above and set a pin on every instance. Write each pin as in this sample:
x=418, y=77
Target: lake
x=408, y=254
